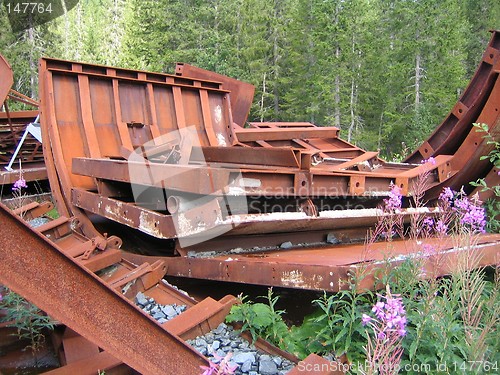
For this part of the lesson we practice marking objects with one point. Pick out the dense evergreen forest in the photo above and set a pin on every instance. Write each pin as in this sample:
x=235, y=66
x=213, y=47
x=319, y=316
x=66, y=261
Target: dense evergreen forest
x=385, y=71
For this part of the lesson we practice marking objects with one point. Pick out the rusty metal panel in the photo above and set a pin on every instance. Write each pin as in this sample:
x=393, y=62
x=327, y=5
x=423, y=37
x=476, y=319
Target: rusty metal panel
x=466, y=164
x=241, y=92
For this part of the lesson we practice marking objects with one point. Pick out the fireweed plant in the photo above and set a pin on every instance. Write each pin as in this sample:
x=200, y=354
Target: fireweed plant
x=388, y=327
x=434, y=324
x=18, y=193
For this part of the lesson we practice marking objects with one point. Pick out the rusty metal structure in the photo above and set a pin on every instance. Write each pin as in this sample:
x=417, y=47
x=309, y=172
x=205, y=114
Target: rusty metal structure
x=162, y=154
x=17, y=144
x=86, y=285
x=171, y=164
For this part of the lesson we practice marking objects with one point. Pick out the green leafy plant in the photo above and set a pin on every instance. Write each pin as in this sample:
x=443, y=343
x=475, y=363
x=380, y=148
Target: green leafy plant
x=29, y=321
x=260, y=319
x=340, y=315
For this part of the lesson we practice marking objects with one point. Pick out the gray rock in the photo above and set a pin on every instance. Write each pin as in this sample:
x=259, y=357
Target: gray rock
x=216, y=345
x=220, y=329
x=221, y=354
x=278, y=361
x=200, y=342
x=210, y=337
x=155, y=309
x=267, y=367
x=246, y=366
x=202, y=349
x=180, y=309
x=162, y=320
x=242, y=357
x=244, y=345
x=141, y=299
x=330, y=238
x=159, y=315
x=286, y=245
x=169, y=311
x=38, y=221
x=253, y=373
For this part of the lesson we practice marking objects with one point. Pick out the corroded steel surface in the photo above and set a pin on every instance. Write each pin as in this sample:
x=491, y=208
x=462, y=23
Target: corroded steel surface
x=321, y=267
x=81, y=354
x=241, y=92
x=296, y=167
x=55, y=283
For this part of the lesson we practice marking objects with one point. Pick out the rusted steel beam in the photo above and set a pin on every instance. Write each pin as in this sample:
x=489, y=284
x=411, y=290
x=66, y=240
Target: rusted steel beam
x=270, y=134
x=153, y=223
x=36, y=172
x=19, y=116
x=185, y=178
x=246, y=156
x=322, y=267
x=40, y=272
x=467, y=163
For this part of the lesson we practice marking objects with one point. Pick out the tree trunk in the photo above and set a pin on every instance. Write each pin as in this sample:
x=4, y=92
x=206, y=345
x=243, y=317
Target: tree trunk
x=337, y=92
x=418, y=79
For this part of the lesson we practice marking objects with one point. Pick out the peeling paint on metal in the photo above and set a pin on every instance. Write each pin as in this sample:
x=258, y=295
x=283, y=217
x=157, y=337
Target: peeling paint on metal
x=218, y=114
x=148, y=226
x=296, y=278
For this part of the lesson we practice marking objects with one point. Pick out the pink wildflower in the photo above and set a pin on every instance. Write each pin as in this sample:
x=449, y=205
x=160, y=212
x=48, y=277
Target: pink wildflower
x=19, y=184
x=394, y=201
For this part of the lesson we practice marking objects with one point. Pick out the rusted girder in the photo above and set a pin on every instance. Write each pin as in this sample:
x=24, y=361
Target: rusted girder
x=39, y=271
x=324, y=268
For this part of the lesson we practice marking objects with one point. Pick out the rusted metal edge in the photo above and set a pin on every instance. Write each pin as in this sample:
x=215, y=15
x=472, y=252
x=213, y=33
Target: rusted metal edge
x=241, y=92
x=467, y=164
x=40, y=272
x=448, y=136
x=322, y=267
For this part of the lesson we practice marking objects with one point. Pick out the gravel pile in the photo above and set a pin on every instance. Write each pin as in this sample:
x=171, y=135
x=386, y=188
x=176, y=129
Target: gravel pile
x=250, y=360
x=159, y=312
x=38, y=221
